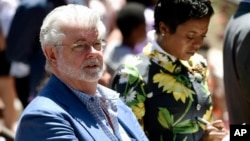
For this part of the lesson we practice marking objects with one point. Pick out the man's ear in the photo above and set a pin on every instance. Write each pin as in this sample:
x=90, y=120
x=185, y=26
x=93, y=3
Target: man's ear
x=164, y=29
x=51, y=54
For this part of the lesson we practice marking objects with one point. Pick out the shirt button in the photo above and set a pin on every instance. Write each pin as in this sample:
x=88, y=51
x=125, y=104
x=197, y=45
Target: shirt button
x=92, y=99
x=198, y=107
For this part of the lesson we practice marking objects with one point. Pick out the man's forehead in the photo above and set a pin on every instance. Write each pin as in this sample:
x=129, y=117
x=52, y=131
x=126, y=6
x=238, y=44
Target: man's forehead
x=82, y=32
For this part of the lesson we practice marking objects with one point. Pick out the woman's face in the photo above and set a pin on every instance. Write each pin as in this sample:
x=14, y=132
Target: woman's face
x=187, y=39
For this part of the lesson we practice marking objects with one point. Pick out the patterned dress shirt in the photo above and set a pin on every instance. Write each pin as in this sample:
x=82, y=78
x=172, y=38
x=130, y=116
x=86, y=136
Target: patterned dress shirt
x=99, y=107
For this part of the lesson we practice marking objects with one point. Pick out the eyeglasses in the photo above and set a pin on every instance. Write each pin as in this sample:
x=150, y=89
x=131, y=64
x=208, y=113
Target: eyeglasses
x=84, y=46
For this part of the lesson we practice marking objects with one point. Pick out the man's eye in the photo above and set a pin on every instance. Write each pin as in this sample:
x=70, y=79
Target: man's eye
x=78, y=47
x=98, y=45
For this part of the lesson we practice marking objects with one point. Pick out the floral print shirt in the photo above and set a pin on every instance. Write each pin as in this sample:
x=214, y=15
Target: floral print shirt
x=165, y=95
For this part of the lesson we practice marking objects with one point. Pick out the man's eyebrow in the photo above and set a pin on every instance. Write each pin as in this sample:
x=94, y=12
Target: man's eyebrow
x=80, y=40
x=84, y=40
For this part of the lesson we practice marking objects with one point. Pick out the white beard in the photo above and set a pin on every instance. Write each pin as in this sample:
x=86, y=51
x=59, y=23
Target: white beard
x=89, y=74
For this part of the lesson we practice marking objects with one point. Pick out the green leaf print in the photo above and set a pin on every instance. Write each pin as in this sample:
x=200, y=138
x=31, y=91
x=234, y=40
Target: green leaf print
x=165, y=119
x=141, y=98
x=133, y=74
x=181, y=127
x=186, y=127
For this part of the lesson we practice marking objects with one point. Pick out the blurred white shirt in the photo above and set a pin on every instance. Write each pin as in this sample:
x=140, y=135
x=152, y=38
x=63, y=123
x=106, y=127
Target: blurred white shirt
x=7, y=12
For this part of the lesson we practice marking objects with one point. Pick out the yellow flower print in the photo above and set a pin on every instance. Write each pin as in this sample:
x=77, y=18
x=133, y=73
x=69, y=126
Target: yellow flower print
x=169, y=66
x=197, y=65
x=139, y=110
x=207, y=116
x=171, y=85
x=163, y=61
x=147, y=49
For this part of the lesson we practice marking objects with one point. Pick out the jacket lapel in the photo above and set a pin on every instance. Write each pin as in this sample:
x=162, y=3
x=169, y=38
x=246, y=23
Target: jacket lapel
x=82, y=115
x=130, y=126
x=79, y=111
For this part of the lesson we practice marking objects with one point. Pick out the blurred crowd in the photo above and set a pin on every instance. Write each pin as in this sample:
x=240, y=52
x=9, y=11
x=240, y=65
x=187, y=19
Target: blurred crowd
x=127, y=23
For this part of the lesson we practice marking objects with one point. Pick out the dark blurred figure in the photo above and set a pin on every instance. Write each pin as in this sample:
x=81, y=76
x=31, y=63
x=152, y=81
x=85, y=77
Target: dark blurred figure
x=7, y=93
x=149, y=17
x=8, y=96
x=131, y=22
x=237, y=65
x=23, y=48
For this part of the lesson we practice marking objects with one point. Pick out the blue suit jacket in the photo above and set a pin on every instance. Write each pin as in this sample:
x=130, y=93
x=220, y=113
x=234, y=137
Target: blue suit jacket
x=57, y=114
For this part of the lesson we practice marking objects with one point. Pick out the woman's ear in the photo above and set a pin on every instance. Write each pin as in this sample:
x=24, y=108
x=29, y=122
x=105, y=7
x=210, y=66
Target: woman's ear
x=164, y=29
x=51, y=54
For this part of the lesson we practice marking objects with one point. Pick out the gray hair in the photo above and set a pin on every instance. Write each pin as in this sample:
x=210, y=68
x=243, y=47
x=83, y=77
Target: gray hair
x=51, y=32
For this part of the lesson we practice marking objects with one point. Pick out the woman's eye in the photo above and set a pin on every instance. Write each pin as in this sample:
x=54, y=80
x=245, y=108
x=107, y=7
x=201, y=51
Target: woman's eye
x=190, y=38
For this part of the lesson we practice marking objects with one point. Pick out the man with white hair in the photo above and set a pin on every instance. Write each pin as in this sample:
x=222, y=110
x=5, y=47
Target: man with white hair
x=72, y=105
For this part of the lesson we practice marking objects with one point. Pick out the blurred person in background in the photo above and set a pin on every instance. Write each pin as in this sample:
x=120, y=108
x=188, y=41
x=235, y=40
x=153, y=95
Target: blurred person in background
x=108, y=9
x=131, y=22
x=23, y=48
x=149, y=18
x=7, y=83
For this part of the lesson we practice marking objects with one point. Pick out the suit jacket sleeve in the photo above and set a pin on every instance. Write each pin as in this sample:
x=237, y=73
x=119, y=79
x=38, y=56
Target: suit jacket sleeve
x=242, y=61
x=41, y=126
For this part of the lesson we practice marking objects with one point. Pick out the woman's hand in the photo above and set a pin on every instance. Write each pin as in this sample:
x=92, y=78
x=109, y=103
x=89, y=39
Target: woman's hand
x=215, y=131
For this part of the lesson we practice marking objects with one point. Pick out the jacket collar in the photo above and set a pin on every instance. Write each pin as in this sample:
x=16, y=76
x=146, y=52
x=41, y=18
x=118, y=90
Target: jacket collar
x=67, y=99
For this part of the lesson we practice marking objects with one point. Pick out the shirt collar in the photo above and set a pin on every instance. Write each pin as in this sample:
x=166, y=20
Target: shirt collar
x=109, y=98
x=83, y=96
x=152, y=39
